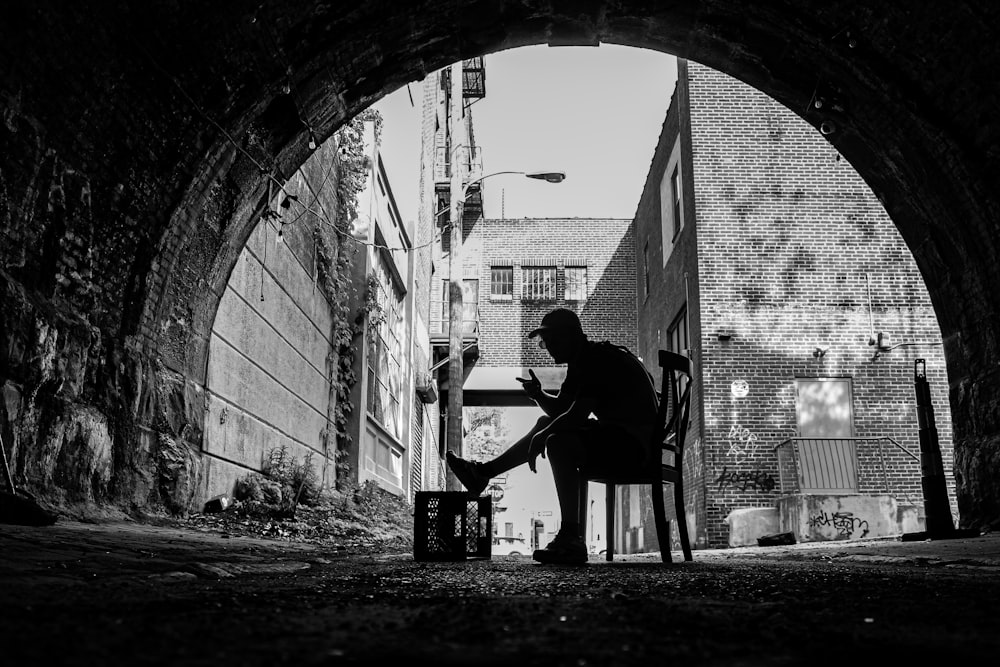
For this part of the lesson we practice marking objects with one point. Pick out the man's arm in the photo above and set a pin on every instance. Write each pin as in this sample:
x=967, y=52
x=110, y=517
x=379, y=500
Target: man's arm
x=551, y=404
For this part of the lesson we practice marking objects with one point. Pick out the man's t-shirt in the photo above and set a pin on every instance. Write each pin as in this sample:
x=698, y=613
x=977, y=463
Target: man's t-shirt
x=621, y=387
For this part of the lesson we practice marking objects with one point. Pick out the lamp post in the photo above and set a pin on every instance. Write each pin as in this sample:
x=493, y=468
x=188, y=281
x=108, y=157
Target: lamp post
x=456, y=323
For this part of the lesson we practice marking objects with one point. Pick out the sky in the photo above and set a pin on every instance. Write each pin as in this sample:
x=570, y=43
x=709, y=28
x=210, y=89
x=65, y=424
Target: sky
x=593, y=113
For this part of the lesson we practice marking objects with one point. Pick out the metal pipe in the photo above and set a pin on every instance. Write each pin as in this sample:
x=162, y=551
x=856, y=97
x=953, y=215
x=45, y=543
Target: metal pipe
x=871, y=319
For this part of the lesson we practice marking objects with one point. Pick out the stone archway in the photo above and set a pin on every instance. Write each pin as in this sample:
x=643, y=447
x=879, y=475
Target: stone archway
x=154, y=120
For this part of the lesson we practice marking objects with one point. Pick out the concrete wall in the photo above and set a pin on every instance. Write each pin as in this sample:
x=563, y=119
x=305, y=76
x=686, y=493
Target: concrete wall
x=268, y=382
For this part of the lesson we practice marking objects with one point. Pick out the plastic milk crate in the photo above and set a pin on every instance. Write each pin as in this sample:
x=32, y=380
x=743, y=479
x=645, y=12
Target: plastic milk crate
x=452, y=525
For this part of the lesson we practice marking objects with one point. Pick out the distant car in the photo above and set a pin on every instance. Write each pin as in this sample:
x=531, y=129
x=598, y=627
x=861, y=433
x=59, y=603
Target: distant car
x=509, y=546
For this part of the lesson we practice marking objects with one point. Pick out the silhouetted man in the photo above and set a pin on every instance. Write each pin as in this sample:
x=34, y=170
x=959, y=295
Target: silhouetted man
x=602, y=417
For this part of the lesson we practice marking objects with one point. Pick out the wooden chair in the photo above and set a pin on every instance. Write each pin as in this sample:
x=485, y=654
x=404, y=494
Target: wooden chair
x=671, y=430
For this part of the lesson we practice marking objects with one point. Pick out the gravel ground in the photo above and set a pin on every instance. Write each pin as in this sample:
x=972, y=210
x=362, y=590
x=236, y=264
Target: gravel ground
x=139, y=595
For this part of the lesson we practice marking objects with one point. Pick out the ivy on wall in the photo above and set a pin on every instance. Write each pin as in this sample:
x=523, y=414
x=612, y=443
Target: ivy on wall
x=335, y=252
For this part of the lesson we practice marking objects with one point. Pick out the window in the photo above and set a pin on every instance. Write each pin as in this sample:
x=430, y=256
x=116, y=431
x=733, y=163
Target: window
x=576, y=283
x=383, y=459
x=675, y=189
x=677, y=337
x=677, y=333
x=441, y=309
x=502, y=283
x=539, y=283
x=645, y=270
x=385, y=352
x=671, y=202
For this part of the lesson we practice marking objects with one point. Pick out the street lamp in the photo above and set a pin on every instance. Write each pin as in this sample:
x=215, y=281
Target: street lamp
x=547, y=176
x=456, y=324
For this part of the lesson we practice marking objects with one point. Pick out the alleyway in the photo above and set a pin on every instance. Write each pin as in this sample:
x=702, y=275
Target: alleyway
x=76, y=594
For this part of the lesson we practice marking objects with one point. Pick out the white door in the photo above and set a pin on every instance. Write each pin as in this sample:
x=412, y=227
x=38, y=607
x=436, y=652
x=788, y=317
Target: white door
x=826, y=454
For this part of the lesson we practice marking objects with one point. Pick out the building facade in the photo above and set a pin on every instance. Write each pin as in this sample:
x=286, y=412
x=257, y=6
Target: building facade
x=764, y=257
x=275, y=367
x=523, y=268
x=386, y=443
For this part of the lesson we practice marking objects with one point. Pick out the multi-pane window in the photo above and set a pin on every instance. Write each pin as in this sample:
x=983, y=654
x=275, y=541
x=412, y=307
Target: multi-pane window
x=502, y=282
x=539, y=283
x=470, y=308
x=385, y=352
x=576, y=283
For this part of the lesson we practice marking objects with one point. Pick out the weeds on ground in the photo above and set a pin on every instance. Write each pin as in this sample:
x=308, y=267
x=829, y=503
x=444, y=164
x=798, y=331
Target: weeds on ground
x=286, y=501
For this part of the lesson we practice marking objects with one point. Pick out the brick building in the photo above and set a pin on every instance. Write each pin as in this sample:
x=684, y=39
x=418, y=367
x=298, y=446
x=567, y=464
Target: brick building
x=519, y=270
x=763, y=255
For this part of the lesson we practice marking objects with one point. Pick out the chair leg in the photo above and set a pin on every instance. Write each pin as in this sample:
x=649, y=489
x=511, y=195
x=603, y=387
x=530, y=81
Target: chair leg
x=662, y=525
x=609, y=511
x=682, y=526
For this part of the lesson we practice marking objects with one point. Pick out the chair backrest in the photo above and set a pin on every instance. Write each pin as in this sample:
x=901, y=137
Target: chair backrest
x=675, y=405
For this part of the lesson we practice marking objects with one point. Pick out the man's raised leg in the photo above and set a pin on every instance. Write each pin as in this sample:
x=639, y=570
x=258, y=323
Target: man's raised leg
x=475, y=476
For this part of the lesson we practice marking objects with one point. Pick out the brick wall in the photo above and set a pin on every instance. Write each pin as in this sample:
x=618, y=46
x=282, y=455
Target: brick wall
x=603, y=246
x=784, y=240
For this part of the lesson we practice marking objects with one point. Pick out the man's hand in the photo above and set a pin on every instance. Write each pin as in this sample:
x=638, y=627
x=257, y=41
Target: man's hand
x=532, y=386
x=536, y=447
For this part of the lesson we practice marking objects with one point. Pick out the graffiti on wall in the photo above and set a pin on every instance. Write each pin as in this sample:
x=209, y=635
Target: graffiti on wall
x=693, y=464
x=743, y=443
x=844, y=522
x=758, y=480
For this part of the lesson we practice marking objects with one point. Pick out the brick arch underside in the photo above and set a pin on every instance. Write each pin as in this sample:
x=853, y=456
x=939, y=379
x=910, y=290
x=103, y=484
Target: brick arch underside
x=168, y=118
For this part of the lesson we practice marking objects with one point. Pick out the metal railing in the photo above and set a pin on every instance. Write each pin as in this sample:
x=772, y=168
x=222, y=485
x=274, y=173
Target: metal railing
x=830, y=465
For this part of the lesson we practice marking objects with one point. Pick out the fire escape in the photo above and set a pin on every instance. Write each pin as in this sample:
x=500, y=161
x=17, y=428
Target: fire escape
x=473, y=89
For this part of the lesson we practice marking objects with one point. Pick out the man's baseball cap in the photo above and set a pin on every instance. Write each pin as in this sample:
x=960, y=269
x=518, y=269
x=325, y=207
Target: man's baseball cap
x=561, y=320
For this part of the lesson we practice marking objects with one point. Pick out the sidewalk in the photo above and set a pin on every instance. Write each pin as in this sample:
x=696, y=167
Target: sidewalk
x=74, y=550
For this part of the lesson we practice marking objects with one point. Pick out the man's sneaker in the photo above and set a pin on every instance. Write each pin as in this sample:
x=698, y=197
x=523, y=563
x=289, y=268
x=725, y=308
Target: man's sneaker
x=564, y=549
x=469, y=473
